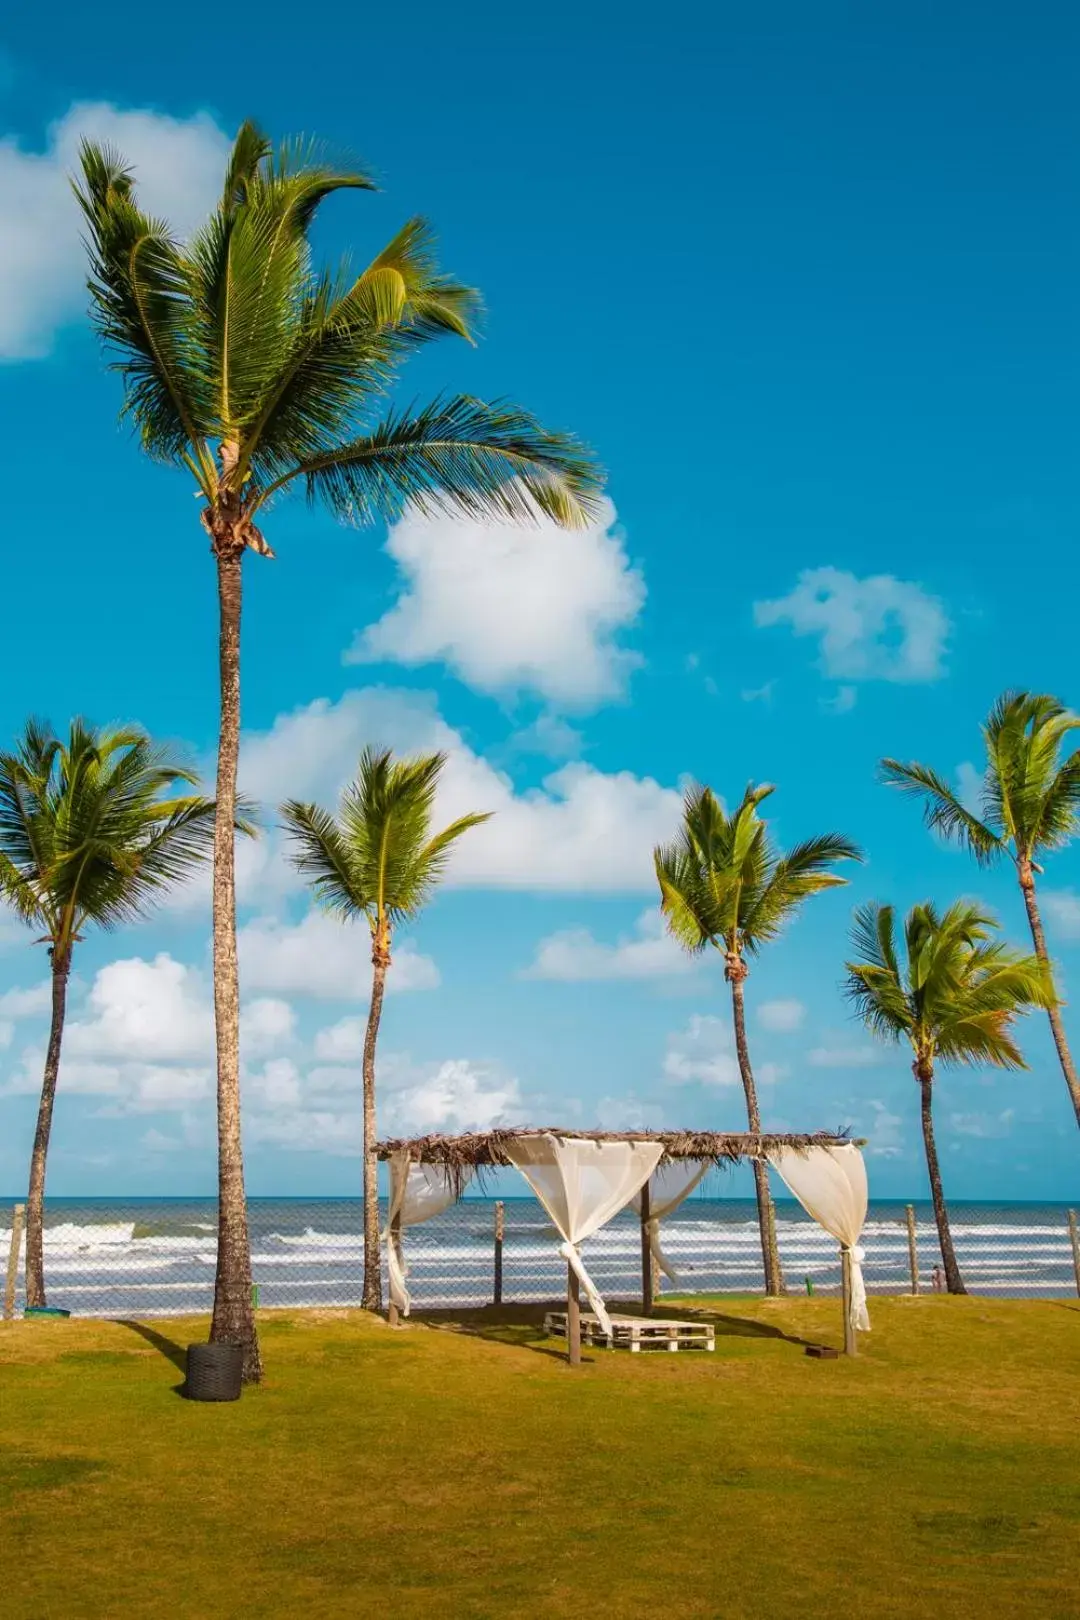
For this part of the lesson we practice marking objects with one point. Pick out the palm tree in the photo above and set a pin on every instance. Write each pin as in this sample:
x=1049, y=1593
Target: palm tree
x=955, y=1001
x=377, y=859
x=261, y=374
x=92, y=830
x=1029, y=804
x=723, y=883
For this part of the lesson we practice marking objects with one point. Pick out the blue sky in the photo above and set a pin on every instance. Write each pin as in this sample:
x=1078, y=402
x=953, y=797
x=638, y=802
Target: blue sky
x=809, y=286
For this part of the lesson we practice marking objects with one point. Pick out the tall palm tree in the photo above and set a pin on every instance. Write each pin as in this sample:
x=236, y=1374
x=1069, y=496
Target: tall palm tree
x=954, y=1000
x=377, y=859
x=723, y=883
x=261, y=374
x=1030, y=804
x=92, y=831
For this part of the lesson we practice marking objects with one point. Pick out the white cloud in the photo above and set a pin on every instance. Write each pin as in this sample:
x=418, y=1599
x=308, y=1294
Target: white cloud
x=583, y=830
x=876, y=628
x=321, y=956
x=342, y=1042
x=265, y=1024
x=703, y=1054
x=26, y=1003
x=1062, y=906
x=984, y=1127
x=573, y=954
x=969, y=786
x=179, y=164
x=457, y=1097
x=781, y=1016
x=550, y=736
x=885, y=1136
x=842, y=701
x=842, y=1057
x=154, y=1011
x=759, y=694
x=510, y=606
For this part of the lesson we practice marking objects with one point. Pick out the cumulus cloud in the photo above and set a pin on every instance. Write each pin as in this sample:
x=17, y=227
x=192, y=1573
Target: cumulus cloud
x=321, y=956
x=703, y=1054
x=842, y=1057
x=875, y=628
x=573, y=954
x=885, y=1135
x=583, y=829
x=28, y=1003
x=178, y=164
x=156, y=1011
x=511, y=607
x=781, y=1016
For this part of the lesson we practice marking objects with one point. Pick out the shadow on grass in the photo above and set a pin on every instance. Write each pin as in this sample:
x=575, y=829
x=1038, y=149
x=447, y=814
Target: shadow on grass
x=169, y=1348
x=523, y=1325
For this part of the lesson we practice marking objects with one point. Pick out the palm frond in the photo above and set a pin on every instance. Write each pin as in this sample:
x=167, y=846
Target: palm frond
x=942, y=810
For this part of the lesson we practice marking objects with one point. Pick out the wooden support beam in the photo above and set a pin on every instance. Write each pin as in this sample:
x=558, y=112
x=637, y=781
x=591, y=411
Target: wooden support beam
x=393, y=1315
x=646, y=1254
x=1074, y=1239
x=845, y=1290
x=573, y=1318
x=500, y=1232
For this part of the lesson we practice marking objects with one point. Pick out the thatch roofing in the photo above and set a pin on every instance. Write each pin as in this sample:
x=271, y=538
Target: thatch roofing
x=486, y=1150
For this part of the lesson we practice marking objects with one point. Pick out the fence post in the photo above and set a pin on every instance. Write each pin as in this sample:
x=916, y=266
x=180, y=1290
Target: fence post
x=912, y=1248
x=500, y=1232
x=1074, y=1239
x=13, y=1260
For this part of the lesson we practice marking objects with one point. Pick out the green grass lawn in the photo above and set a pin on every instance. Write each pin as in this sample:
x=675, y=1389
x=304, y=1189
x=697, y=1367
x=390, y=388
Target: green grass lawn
x=462, y=1468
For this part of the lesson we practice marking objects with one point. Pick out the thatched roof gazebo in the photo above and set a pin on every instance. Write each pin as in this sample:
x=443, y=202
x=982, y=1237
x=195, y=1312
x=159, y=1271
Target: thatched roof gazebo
x=583, y=1178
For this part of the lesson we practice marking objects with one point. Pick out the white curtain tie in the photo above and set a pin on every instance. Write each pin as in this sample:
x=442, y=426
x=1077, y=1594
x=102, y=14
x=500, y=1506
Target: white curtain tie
x=574, y=1261
x=859, y=1315
x=652, y=1226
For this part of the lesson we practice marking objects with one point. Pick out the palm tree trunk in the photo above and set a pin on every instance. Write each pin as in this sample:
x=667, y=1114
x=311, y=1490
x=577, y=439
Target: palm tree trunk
x=953, y=1280
x=1068, y=1067
x=234, y=1316
x=770, y=1254
x=35, y=1198
x=372, y=1295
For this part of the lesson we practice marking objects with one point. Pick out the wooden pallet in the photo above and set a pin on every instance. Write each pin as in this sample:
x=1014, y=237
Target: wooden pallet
x=636, y=1333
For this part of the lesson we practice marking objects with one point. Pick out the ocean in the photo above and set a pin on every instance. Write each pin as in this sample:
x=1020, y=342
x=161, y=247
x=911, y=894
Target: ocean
x=155, y=1256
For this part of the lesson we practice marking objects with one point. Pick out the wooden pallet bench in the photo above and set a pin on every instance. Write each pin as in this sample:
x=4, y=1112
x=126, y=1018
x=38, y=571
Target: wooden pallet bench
x=636, y=1333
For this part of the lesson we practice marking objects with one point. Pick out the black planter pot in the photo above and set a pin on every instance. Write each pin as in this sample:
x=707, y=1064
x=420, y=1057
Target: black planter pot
x=214, y=1372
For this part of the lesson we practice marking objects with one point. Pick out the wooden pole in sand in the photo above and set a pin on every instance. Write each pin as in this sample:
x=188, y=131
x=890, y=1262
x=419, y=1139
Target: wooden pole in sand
x=500, y=1230
x=393, y=1315
x=573, y=1318
x=912, y=1248
x=13, y=1260
x=845, y=1291
x=646, y=1254
x=1074, y=1239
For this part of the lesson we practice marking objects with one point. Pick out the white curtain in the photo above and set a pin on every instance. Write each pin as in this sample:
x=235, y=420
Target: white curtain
x=668, y=1186
x=582, y=1184
x=830, y=1184
x=417, y=1193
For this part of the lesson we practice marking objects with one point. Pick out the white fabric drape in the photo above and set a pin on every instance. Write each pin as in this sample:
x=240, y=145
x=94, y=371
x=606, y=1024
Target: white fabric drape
x=417, y=1193
x=830, y=1184
x=582, y=1184
x=668, y=1186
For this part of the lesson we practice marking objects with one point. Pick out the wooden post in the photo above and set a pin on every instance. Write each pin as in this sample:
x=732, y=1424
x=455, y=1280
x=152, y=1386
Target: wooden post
x=573, y=1318
x=500, y=1230
x=646, y=1254
x=393, y=1315
x=912, y=1248
x=13, y=1260
x=1074, y=1239
x=845, y=1290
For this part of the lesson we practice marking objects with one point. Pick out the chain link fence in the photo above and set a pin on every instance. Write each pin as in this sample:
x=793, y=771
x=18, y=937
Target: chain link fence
x=143, y=1258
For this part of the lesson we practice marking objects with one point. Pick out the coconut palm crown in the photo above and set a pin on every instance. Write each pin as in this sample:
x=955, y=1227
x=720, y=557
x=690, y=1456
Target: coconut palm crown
x=723, y=883
x=1029, y=805
x=261, y=373
x=93, y=830
x=377, y=859
x=954, y=1000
